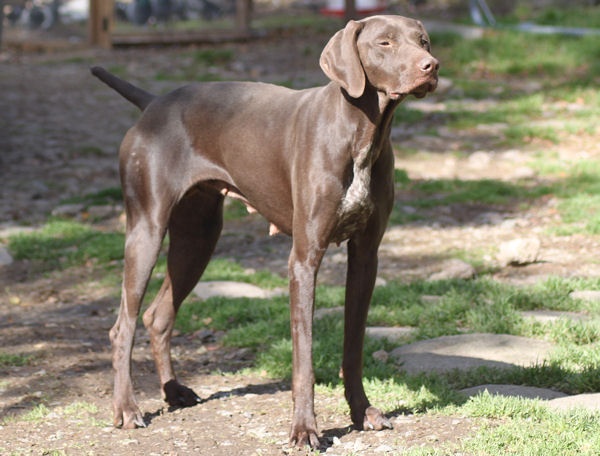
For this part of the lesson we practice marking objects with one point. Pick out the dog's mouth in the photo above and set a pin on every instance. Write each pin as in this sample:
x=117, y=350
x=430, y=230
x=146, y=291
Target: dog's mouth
x=419, y=90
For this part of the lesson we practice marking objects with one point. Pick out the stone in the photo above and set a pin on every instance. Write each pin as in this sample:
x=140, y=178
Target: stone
x=381, y=355
x=205, y=290
x=380, y=282
x=454, y=269
x=480, y=159
x=589, y=401
x=519, y=252
x=444, y=86
x=467, y=351
x=8, y=230
x=68, y=210
x=327, y=311
x=392, y=334
x=586, y=295
x=523, y=172
x=527, y=392
x=101, y=212
x=6, y=258
x=544, y=316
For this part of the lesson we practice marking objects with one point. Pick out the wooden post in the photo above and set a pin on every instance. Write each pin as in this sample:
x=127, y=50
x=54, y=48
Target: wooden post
x=350, y=10
x=1, y=21
x=100, y=22
x=243, y=10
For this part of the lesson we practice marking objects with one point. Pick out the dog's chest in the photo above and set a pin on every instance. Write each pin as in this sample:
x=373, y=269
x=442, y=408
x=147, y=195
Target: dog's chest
x=356, y=206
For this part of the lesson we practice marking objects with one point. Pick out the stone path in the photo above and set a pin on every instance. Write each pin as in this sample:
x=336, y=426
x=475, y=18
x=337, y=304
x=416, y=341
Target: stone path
x=446, y=353
x=205, y=290
x=467, y=351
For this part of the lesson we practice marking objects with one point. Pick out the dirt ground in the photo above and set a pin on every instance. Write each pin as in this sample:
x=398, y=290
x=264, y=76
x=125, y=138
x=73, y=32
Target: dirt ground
x=59, y=132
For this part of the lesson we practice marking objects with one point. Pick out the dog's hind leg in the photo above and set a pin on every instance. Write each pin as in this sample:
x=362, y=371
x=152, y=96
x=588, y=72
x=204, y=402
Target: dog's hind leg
x=194, y=228
x=142, y=246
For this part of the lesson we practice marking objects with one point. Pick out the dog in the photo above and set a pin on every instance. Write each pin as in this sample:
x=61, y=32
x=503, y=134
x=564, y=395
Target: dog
x=316, y=163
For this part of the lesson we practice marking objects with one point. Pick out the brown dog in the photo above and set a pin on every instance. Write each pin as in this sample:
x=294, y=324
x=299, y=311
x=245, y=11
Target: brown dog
x=316, y=163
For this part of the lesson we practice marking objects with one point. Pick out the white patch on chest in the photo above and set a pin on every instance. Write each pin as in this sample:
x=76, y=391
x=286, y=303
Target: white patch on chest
x=357, y=205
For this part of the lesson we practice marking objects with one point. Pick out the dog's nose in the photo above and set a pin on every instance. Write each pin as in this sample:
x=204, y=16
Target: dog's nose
x=429, y=65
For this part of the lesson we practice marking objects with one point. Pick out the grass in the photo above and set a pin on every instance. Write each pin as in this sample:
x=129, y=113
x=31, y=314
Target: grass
x=580, y=16
x=530, y=429
x=14, y=360
x=511, y=53
x=64, y=243
x=558, y=70
x=75, y=412
x=576, y=187
x=481, y=305
x=37, y=414
x=110, y=195
x=441, y=192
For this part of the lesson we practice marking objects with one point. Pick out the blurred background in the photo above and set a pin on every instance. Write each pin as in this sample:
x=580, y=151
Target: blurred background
x=31, y=20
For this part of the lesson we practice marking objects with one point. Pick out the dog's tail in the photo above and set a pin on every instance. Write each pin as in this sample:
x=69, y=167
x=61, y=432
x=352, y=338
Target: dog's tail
x=137, y=96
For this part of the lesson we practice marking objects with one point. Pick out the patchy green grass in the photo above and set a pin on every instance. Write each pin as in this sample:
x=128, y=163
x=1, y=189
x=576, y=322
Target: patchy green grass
x=14, y=360
x=527, y=427
x=575, y=185
x=429, y=194
x=481, y=305
x=513, y=53
x=36, y=415
x=212, y=56
x=109, y=195
x=65, y=243
x=485, y=191
x=523, y=79
x=564, y=16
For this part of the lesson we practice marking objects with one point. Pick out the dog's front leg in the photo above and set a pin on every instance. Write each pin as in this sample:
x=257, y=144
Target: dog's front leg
x=360, y=282
x=303, y=266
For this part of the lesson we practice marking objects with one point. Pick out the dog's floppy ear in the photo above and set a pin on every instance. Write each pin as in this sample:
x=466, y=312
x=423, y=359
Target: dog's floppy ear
x=340, y=60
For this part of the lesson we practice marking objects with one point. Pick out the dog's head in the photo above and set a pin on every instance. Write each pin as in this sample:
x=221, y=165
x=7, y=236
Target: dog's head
x=391, y=53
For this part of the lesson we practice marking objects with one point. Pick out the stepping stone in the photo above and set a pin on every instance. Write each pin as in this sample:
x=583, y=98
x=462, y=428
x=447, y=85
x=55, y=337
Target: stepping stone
x=454, y=269
x=68, y=210
x=205, y=290
x=519, y=251
x=586, y=295
x=393, y=334
x=6, y=258
x=544, y=316
x=590, y=401
x=326, y=311
x=467, y=351
x=527, y=392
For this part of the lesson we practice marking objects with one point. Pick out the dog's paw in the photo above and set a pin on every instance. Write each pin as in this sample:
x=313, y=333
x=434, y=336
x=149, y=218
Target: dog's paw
x=375, y=420
x=130, y=418
x=302, y=437
x=178, y=395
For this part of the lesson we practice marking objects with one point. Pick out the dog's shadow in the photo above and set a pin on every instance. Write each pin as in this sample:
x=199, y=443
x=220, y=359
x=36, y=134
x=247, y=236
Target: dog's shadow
x=327, y=438
x=263, y=388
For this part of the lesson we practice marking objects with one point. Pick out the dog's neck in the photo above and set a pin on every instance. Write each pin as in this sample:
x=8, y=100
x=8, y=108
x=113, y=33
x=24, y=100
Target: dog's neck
x=373, y=114
x=373, y=117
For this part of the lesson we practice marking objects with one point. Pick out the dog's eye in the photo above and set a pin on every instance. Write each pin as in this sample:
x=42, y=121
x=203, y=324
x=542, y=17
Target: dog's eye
x=424, y=43
x=384, y=43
